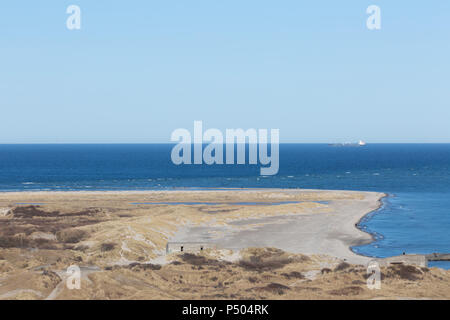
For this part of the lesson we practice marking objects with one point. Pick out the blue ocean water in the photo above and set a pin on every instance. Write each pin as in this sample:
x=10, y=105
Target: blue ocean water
x=415, y=218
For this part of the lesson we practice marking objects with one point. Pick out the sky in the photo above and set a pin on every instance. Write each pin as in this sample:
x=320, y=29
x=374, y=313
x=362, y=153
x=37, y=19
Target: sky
x=138, y=70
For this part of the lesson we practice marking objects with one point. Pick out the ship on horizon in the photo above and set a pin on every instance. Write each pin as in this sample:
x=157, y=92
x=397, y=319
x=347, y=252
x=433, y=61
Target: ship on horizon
x=360, y=143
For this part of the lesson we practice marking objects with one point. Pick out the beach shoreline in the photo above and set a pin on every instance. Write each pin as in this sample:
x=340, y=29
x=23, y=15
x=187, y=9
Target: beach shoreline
x=364, y=217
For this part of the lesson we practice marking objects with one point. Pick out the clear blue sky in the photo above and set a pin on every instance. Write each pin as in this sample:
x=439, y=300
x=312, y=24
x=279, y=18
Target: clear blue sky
x=137, y=70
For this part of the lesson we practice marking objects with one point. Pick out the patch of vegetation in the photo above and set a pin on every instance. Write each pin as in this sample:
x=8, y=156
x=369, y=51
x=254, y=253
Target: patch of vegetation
x=199, y=261
x=14, y=242
x=27, y=220
x=32, y=211
x=81, y=248
x=325, y=270
x=276, y=288
x=347, y=291
x=108, y=246
x=252, y=279
x=342, y=266
x=193, y=259
x=50, y=278
x=404, y=272
x=313, y=289
x=36, y=211
x=70, y=235
x=302, y=258
x=294, y=275
x=136, y=266
x=265, y=260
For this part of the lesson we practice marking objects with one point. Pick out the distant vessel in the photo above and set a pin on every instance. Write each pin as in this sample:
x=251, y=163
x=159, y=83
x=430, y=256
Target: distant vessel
x=360, y=143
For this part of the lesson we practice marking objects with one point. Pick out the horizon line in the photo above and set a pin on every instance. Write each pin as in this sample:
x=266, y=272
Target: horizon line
x=205, y=143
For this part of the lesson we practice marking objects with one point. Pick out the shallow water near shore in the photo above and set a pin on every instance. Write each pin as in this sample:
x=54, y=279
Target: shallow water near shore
x=406, y=223
x=415, y=217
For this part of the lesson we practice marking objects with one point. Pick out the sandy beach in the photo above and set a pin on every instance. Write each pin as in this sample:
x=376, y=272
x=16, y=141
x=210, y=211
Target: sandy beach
x=120, y=238
x=331, y=232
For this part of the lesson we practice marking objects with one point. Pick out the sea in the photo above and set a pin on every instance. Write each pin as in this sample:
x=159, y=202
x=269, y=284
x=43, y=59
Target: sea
x=414, y=218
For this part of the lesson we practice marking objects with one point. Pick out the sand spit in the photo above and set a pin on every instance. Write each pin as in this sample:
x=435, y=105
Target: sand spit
x=120, y=238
